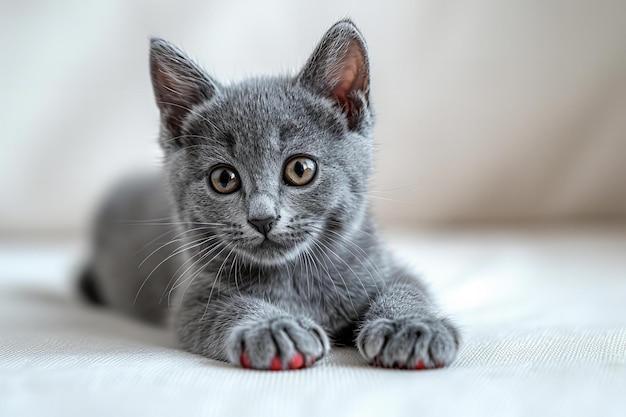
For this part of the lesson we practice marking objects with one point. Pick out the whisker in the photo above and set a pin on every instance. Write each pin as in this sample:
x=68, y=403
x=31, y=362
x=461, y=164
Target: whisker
x=322, y=252
x=317, y=271
x=372, y=235
x=384, y=198
x=157, y=219
x=348, y=266
x=345, y=239
x=201, y=252
x=176, y=252
x=309, y=276
x=197, y=273
x=174, y=240
x=217, y=279
x=386, y=190
x=171, y=223
x=154, y=241
x=183, y=248
x=199, y=270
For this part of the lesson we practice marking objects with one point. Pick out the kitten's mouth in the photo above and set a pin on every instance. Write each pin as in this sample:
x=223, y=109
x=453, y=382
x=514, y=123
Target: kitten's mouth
x=270, y=252
x=268, y=244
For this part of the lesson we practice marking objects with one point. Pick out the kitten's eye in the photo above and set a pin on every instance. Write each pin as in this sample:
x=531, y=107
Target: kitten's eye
x=300, y=170
x=224, y=179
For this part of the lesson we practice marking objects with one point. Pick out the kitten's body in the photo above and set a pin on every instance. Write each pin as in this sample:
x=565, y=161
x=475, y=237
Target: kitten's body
x=269, y=269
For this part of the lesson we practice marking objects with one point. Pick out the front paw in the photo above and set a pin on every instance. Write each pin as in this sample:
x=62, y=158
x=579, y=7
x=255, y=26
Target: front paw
x=277, y=344
x=409, y=343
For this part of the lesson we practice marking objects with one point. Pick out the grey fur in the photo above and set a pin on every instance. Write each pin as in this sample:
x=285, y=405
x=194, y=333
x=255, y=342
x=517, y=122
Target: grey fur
x=321, y=274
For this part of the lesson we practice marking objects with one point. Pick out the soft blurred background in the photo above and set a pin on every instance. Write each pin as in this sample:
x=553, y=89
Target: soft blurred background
x=488, y=111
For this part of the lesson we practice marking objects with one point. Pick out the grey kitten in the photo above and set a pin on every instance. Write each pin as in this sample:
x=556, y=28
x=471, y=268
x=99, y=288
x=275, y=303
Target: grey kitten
x=273, y=249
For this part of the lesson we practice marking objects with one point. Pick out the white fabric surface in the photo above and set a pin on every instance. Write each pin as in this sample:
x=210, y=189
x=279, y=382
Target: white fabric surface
x=543, y=312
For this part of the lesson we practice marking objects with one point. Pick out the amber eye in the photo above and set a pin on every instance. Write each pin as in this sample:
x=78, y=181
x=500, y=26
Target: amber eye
x=300, y=170
x=224, y=179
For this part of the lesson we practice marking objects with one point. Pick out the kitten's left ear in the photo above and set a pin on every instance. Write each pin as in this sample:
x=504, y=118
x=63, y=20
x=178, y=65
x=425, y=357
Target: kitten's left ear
x=339, y=69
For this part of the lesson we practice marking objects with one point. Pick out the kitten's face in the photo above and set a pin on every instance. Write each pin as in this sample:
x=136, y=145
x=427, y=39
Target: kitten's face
x=266, y=165
x=254, y=130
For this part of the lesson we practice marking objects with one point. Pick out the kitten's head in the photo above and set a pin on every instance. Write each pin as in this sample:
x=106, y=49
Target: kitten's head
x=269, y=166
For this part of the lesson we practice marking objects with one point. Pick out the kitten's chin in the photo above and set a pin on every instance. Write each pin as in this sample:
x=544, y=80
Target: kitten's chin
x=269, y=253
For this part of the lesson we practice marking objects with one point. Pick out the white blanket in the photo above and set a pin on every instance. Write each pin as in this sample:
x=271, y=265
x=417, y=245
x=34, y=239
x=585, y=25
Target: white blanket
x=543, y=312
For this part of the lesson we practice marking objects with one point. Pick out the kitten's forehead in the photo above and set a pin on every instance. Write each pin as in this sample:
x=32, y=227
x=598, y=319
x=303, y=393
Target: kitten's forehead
x=275, y=105
x=263, y=101
x=254, y=113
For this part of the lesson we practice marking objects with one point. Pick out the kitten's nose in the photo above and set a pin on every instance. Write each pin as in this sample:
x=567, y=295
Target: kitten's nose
x=262, y=225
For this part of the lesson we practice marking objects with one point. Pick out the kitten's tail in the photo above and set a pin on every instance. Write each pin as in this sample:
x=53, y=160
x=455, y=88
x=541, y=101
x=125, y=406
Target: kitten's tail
x=88, y=287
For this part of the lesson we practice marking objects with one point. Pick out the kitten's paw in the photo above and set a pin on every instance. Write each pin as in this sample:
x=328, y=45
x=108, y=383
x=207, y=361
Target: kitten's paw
x=278, y=344
x=409, y=343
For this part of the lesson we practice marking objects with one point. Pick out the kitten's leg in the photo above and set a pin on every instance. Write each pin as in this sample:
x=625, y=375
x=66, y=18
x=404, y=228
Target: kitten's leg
x=251, y=333
x=403, y=329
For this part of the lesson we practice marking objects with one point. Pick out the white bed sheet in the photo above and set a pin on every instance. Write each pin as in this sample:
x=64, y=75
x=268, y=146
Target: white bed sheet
x=543, y=313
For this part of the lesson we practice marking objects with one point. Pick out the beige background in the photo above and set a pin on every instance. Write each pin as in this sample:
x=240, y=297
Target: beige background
x=501, y=110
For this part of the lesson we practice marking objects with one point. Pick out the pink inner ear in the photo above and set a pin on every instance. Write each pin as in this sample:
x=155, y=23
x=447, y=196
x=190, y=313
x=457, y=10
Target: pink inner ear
x=351, y=76
x=348, y=75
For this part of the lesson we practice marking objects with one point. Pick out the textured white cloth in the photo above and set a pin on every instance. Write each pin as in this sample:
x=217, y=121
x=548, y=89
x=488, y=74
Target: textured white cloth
x=543, y=314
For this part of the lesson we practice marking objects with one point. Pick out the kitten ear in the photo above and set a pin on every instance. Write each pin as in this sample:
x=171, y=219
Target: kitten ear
x=339, y=69
x=178, y=82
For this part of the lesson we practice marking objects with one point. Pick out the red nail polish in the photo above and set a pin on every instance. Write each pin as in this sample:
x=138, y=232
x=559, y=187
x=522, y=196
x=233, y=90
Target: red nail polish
x=297, y=361
x=245, y=361
x=276, y=365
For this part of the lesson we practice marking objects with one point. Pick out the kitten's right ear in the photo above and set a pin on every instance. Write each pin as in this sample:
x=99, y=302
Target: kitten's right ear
x=178, y=82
